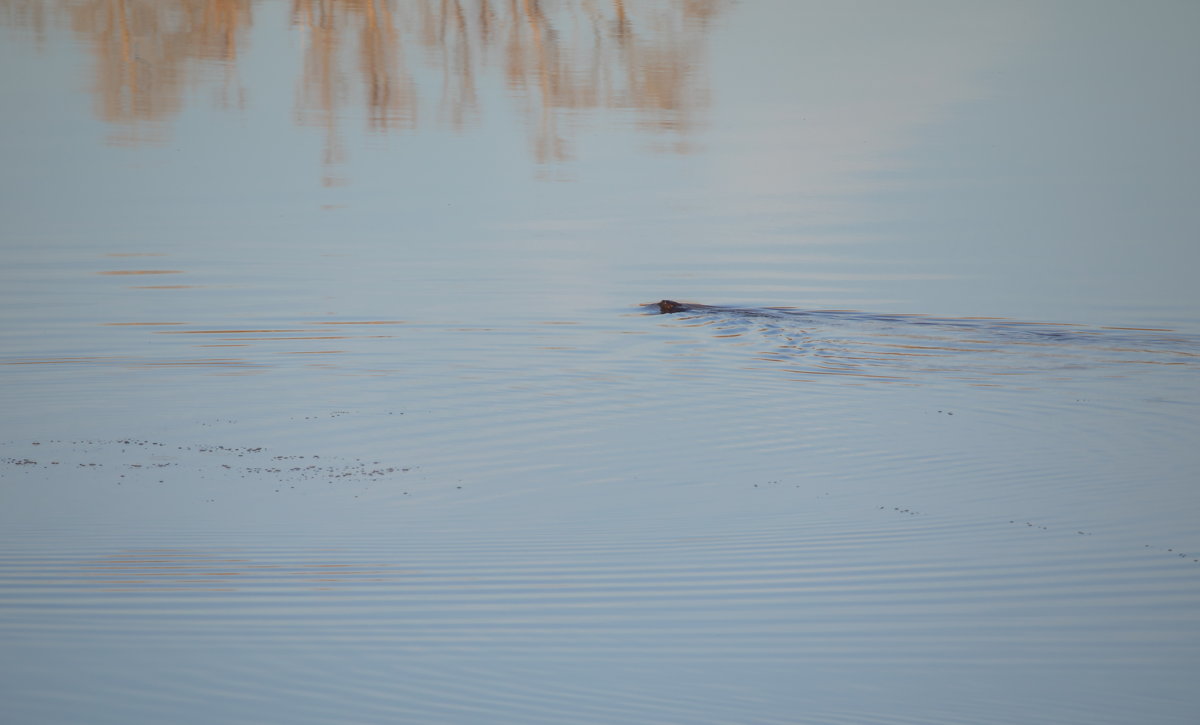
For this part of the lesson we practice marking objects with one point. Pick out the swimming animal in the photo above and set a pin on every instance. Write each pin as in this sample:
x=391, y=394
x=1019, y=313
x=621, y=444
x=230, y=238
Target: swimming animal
x=668, y=307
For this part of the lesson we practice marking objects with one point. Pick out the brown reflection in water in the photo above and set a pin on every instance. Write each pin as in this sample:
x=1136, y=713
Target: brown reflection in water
x=556, y=59
x=390, y=94
x=225, y=332
x=183, y=569
x=147, y=53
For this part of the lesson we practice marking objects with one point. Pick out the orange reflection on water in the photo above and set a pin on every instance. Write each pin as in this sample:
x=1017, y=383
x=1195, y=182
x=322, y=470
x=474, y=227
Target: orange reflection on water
x=555, y=59
x=146, y=54
x=226, y=332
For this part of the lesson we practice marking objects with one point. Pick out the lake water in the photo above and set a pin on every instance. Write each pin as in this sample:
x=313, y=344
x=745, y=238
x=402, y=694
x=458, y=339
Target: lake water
x=334, y=390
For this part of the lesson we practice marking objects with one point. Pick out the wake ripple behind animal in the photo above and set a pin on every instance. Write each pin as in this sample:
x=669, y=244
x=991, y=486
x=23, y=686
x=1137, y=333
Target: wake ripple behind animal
x=911, y=347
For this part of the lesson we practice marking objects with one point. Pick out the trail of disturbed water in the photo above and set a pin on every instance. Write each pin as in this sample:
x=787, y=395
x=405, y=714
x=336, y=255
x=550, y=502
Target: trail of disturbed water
x=917, y=348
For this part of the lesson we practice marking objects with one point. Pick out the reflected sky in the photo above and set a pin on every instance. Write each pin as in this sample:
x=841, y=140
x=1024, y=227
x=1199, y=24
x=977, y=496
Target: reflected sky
x=938, y=158
x=368, y=275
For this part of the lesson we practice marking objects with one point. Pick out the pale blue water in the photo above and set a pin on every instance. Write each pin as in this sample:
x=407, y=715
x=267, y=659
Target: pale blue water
x=331, y=396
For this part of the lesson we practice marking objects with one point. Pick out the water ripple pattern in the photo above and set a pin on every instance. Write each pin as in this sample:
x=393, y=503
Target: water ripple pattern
x=852, y=345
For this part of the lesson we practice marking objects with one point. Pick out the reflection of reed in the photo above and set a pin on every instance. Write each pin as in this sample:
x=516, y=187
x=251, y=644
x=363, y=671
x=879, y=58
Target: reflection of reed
x=390, y=93
x=556, y=58
x=145, y=54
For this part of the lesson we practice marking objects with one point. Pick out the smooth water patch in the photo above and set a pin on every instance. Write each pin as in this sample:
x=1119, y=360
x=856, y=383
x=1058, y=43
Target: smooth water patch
x=732, y=622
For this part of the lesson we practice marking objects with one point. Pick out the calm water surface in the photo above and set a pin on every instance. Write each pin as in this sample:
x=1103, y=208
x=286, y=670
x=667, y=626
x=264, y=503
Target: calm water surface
x=334, y=391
